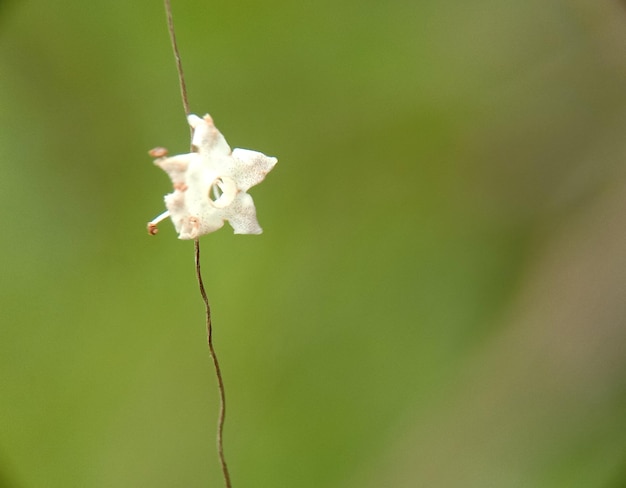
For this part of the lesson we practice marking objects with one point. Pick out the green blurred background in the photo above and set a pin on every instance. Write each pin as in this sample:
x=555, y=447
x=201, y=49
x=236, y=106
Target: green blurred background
x=438, y=299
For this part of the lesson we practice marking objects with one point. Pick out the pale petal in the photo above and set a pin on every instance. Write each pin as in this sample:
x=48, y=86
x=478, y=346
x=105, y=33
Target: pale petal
x=250, y=167
x=176, y=166
x=241, y=215
x=208, y=141
x=209, y=221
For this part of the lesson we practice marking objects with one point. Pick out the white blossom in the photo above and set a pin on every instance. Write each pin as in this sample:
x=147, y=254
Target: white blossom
x=211, y=184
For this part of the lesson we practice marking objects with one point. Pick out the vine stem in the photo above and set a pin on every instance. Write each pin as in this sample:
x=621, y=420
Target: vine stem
x=179, y=64
x=216, y=364
x=209, y=325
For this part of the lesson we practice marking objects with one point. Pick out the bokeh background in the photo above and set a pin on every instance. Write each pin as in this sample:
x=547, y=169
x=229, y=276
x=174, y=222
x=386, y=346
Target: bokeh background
x=439, y=297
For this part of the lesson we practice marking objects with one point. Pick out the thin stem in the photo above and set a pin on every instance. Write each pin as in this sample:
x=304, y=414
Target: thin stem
x=179, y=64
x=216, y=364
x=209, y=326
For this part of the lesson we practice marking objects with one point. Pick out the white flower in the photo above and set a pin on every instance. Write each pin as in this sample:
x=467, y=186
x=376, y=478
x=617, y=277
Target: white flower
x=210, y=184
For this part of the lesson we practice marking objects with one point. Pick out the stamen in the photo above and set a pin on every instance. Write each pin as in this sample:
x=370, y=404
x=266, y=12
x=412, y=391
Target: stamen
x=152, y=225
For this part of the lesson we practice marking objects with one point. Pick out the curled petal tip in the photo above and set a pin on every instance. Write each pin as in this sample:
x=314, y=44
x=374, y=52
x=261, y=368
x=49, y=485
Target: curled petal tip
x=158, y=152
x=152, y=225
x=152, y=229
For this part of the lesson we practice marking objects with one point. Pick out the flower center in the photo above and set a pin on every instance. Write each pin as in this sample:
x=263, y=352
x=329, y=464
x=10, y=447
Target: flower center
x=222, y=192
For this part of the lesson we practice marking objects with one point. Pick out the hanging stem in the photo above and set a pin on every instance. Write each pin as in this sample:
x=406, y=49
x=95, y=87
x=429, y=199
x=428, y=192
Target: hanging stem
x=179, y=64
x=216, y=364
x=209, y=326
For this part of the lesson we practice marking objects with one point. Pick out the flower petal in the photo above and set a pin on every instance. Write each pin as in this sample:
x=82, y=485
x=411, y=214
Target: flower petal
x=250, y=167
x=176, y=167
x=241, y=215
x=207, y=140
